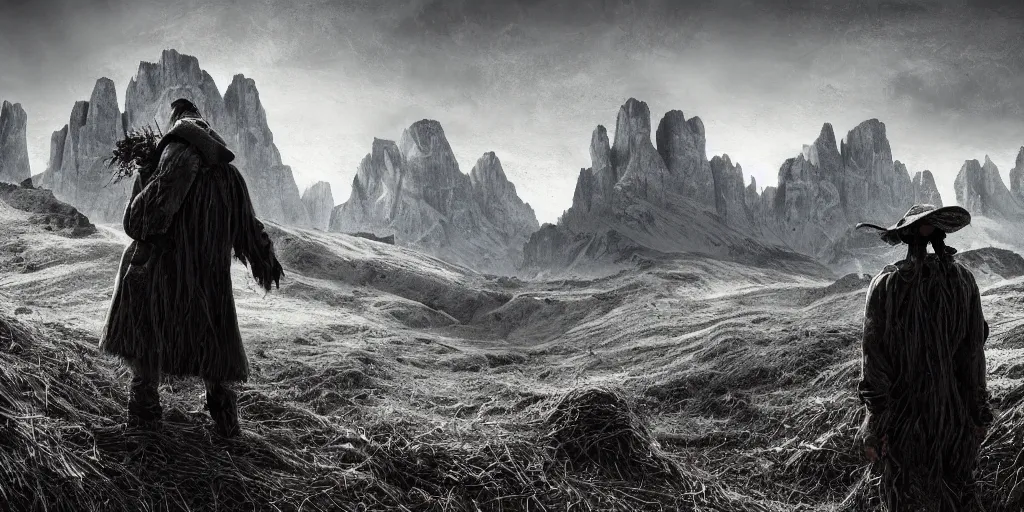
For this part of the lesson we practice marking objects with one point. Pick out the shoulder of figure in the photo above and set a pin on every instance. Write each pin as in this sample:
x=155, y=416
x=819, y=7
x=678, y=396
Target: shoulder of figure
x=202, y=138
x=878, y=283
x=966, y=274
x=178, y=150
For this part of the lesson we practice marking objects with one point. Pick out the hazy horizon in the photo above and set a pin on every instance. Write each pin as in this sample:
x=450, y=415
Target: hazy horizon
x=530, y=80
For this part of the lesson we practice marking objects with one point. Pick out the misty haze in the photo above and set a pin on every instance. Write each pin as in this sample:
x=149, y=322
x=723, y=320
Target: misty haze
x=512, y=255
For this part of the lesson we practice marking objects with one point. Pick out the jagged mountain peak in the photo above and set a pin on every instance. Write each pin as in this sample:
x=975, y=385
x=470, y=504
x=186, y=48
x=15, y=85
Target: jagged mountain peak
x=14, y=164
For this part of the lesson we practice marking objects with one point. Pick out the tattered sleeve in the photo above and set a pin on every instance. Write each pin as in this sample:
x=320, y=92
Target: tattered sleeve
x=971, y=356
x=252, y=244
x=150, y=213
x=876, y=370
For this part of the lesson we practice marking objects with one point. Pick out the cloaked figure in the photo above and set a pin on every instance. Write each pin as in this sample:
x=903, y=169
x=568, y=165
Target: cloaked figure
x=172, y=312
x=923, y=374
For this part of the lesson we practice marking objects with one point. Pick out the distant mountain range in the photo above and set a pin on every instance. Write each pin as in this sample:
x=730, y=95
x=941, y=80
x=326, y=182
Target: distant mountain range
x=78, y=175
x=642, y=198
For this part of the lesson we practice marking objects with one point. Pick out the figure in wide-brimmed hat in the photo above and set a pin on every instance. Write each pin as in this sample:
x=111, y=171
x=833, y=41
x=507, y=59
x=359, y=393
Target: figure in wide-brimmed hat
x=173, y=312
x=923, y=369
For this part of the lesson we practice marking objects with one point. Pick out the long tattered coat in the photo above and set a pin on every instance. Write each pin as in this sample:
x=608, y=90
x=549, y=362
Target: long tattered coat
x=173, y=295
x=924, y=381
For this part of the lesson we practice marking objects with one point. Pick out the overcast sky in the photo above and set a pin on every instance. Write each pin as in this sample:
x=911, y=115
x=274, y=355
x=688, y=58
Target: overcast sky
x=530, y=79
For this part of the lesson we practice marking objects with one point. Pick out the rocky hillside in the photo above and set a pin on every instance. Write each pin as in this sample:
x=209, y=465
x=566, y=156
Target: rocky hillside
x=76, y=173
x=415, y=191
x=319, y=203
x=45, y=210
x=14, y=166
x=980, y=189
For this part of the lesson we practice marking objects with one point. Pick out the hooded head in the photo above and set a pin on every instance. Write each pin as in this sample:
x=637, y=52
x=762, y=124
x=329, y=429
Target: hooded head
x=187, y=123
x=181, y=108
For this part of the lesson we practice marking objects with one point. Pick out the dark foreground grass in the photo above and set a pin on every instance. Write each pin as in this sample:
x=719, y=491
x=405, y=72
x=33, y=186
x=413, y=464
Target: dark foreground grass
x=64, y=446
x=784, y=435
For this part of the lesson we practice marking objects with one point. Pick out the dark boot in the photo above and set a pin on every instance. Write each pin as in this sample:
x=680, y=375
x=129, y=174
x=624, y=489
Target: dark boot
x=144, y=408
x=223, y=405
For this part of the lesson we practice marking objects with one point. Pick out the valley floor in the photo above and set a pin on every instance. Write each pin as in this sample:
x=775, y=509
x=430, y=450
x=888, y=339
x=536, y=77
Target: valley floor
x=384, y=380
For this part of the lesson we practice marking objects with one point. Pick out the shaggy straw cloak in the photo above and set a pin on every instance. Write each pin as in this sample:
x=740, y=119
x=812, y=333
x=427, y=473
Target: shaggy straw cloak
x=173, y=295
x=923, y=380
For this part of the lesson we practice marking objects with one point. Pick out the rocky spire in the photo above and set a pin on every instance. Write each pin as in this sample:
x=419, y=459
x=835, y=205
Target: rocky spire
x=77, y=172
x=641, y=170
x=605, y=176
x=415, y=191
x=1017, y=177
x=730, y=196
x=238, y=116
x=156, y=84
x=681, y=144
x=14, y=167
x=868, y=172
x=980, y=189
x=272, y=186
x=513, y=219
x=753, y=198
x=925, y=191
x=319, y=203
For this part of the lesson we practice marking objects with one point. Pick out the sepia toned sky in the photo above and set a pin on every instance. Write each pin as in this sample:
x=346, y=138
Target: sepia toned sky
x=530, y=79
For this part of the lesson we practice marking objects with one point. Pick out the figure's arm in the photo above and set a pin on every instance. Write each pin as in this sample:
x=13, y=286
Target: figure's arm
x=252, y=244
x=876, y=371
x=151, y=211
x=971, y=358
x=136, y=188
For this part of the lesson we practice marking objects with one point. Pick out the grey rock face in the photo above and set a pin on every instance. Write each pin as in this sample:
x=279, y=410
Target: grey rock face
x=601, y=164
x=653, y=208
x=271, y=184
x=77, y=172
x=156, y=84
x=752, y=199
x=807, y=207
x=681, y=144
x=14, y=167
x=415, y=191
x=1017, y=177
x=47, y=211
x=925, y=191
x=513, y=219
x=319, y=203
x=980, y=189
x=595, y=187
x=686, y=203
x=824, y=192
x=376, y=191
x=868, y=173
x=730, y=195
x=902, y=187
x=641, y=170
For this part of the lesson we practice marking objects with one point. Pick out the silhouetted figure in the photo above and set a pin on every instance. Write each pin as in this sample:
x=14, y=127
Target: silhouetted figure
x=172, y=310
x=923, y=380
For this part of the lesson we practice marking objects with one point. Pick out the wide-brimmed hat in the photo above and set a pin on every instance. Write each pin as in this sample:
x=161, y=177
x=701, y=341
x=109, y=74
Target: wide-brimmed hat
x=948, y=219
